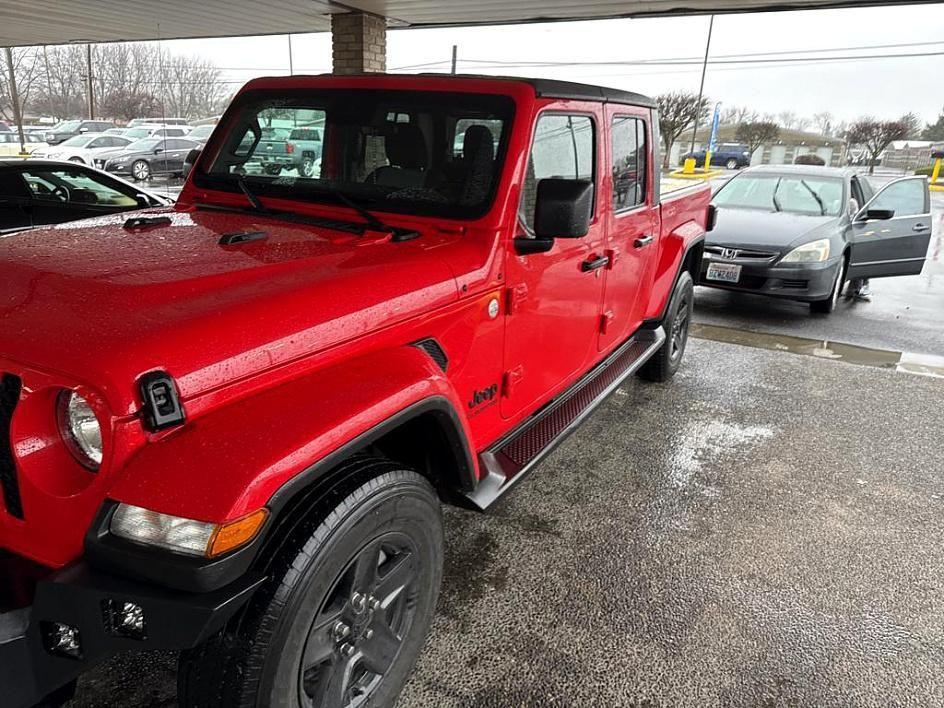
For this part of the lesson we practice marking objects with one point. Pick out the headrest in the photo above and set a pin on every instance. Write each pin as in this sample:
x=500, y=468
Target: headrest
x=405, y=146
x=478, y=138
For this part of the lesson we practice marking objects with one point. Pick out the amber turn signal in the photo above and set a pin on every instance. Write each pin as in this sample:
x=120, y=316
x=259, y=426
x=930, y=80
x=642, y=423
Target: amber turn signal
x=234, y=534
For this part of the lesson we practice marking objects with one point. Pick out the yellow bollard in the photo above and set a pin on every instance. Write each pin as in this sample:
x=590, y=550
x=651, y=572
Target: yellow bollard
x=707, y=161
x=936, y=172
x=689, y=168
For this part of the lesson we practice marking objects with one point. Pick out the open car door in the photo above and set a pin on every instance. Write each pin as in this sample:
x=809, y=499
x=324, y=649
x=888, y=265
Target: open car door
x=892, y=231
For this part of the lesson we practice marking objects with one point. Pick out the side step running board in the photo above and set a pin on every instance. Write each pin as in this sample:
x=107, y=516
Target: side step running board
x=511, y=458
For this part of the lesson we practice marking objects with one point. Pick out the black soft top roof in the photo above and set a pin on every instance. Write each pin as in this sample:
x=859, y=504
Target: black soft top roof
x=552, y=88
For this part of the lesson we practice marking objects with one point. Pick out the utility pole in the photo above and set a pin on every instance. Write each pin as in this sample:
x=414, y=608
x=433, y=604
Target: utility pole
x=15, y=99
x=701, y=90
x=455, y=49
x=90, y=89
x=291, y=64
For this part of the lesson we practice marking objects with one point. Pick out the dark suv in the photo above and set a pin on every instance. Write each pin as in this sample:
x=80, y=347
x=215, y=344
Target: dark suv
x=68, y=128
x=731, y=155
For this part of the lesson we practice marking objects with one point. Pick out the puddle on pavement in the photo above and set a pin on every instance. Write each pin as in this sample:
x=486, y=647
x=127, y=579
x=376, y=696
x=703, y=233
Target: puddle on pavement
x=921, y=364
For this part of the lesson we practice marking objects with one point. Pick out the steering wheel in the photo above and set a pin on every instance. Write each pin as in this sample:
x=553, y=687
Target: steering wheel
x=61, y=193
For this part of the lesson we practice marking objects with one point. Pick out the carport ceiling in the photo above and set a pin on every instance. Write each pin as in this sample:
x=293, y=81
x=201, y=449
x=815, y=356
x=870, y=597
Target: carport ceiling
x=117, y=20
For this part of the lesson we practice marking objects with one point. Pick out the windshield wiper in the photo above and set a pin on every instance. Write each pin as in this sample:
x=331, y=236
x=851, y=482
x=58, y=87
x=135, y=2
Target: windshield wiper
x=250, y=195
x=372, y=221
x=822, y=207
x=777, y=206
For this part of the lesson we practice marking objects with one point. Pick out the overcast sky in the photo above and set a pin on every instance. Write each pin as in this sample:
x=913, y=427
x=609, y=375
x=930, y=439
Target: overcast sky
x=886, y=87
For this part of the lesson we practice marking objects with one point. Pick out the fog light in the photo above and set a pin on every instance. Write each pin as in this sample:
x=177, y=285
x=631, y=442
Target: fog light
x=61, y=639
x=124, y=619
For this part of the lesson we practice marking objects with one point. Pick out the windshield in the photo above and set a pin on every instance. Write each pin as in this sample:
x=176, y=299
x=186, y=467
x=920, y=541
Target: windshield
x=385, y=150
x=79, y=140
x=143, y=145
x=201, y=131
x=137, y=133
x=67, y=126
x=791, y=193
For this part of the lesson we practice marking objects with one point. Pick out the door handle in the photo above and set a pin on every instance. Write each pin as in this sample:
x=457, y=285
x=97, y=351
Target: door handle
x=594, y=264
x=642, y=242
x=919, y=227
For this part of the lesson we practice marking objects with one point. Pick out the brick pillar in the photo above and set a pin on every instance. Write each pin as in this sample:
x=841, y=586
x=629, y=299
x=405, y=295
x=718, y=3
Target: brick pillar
x=358, y=43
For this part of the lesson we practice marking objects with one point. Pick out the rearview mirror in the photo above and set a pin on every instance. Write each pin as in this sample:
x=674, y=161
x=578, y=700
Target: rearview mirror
x=563, y=208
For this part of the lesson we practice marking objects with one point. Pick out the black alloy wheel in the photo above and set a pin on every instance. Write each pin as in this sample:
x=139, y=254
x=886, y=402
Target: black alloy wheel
x=357, y=633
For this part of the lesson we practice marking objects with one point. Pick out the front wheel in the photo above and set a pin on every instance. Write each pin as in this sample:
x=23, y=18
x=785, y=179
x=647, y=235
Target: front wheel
x=665, y=362
x=140, y=170
x=829, y=304
x=347, y=608
x=732, y=164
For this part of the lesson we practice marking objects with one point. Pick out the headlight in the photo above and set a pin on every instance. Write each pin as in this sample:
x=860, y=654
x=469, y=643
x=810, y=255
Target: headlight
x=813, y=252
x=195, y=538
x=80, y=429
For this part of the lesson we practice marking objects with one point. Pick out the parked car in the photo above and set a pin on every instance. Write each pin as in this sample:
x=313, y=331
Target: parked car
x=201, y=133
x=68, y=128
x=42, y=192
x=10, y=145
x=82, y=148
x=143, y=159
x=115, y=131
x=730, y=155
x=156, y=131
x=156, y=121
x=255, y=401
x=800, y=231
x=296, y=149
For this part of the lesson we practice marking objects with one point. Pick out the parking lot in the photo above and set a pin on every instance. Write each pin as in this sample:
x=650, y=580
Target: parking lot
x=761, y=531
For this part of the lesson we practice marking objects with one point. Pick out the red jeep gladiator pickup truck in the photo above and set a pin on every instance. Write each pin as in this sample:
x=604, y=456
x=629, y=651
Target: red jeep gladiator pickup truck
x=226, y=426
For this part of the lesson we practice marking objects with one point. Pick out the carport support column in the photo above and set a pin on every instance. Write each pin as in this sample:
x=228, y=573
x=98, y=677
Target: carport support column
x=358, y=43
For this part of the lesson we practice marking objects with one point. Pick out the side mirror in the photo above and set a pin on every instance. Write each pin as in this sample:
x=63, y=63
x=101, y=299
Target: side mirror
x=83, y=130
x=563, y=208
x=192, y=157
x=712, y=218
x=877, y=214
x=157, y=151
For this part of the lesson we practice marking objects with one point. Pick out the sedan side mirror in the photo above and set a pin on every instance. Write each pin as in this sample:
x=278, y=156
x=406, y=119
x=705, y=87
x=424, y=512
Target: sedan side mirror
x=157, y=151
x=878, y=214
x=563, y=208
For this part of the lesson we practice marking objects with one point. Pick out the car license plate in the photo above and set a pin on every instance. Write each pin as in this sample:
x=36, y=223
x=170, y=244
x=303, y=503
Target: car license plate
x=724, y=272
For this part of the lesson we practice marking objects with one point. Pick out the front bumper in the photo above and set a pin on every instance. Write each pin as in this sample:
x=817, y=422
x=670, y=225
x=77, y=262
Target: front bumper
x=805, y=282
x=83, y=599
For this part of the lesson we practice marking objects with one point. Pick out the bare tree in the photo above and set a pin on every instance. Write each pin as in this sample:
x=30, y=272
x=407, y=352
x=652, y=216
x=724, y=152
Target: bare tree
x=913, y=121
x=823, y=122
x=875, y=136
x=756, y=134
x=125, y=105
x=934, y=131
x=28, y=73
x=677, y=113
x=801, y=123
x=192, y=87
x=735, y=115
x=787, y=119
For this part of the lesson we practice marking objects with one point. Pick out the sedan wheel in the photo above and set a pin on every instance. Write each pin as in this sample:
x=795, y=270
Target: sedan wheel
x=732, y=164
x=140, y=170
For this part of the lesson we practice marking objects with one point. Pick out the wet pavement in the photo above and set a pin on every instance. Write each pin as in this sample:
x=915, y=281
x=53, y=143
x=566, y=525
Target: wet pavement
x=905, y=314
x=763, y=530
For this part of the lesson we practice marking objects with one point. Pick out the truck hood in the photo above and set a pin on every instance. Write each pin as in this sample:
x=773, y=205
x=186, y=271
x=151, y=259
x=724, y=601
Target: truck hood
x=103, y=304
x=766, y=230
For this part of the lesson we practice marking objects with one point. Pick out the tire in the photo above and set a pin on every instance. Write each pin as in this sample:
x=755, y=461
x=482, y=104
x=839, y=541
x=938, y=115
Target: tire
x=272, y=169
x=731, y=164
x=79, y=160
x=328, y=598
x=666, y=361
x=824, y=307
x=140, y=170
x=306, y=168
